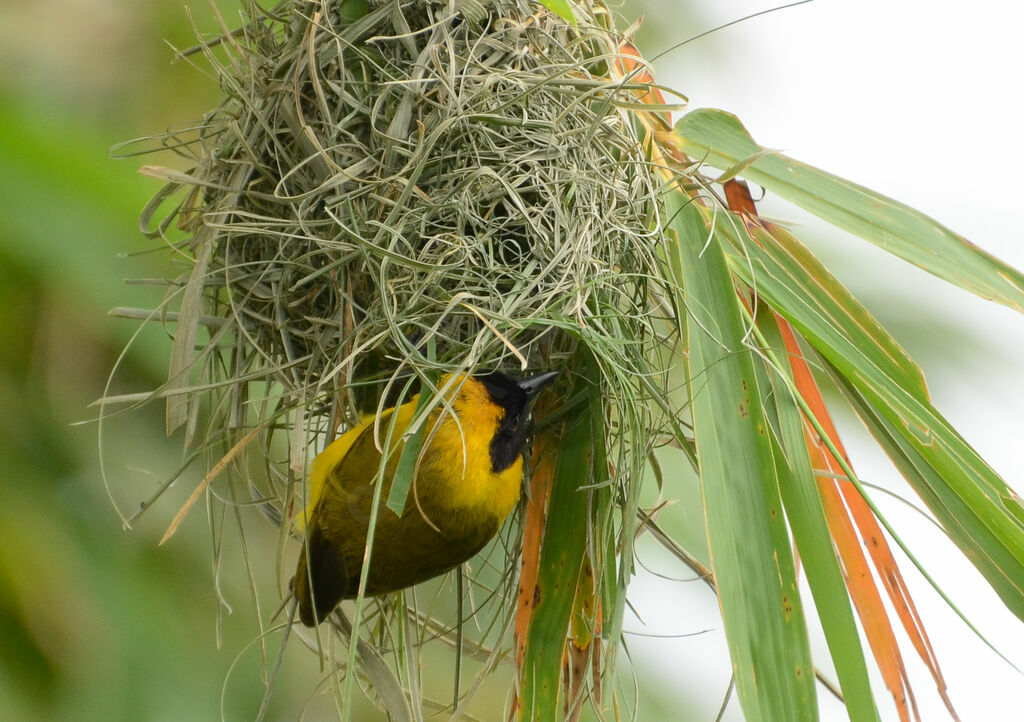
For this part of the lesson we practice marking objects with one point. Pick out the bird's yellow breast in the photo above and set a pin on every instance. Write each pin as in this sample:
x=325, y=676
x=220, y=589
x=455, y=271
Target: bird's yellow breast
x=464, y=447
x=455, y=481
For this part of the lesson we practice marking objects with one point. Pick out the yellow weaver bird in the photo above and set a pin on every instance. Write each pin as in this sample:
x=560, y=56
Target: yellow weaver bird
x=469, y=478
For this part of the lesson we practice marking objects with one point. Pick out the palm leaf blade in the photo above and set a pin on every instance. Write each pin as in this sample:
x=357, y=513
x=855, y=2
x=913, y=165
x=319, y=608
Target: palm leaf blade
x=750, y=551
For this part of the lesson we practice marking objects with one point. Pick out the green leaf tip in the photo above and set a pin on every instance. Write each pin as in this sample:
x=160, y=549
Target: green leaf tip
x=561, y=8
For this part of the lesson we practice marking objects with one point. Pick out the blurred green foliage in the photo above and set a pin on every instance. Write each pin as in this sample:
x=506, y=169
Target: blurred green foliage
x=95, y=622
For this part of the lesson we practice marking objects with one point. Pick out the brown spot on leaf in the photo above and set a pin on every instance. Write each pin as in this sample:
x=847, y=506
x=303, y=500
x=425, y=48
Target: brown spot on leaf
x=743, y=410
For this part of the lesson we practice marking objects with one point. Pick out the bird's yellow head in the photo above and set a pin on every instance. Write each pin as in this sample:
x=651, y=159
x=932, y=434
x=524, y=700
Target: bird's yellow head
x=497, y=401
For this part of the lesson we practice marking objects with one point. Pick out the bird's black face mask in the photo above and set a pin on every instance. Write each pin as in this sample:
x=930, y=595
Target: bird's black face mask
x=514, y=397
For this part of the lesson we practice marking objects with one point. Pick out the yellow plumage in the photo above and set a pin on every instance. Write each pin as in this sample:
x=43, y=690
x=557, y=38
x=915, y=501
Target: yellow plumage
x=468, y=480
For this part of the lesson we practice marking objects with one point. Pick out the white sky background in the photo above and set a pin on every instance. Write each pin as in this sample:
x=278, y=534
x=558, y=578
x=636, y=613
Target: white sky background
x=920, y=101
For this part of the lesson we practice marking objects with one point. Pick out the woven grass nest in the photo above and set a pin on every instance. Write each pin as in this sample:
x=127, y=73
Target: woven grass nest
x=387, y=177
x=391, y=190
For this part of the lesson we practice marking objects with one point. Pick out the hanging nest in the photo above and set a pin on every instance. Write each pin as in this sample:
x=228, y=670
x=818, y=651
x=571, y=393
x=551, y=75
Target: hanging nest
x=383, y=179
x=393, y=189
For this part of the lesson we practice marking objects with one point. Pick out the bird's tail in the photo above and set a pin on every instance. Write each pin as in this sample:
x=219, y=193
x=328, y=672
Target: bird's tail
x=302, y=591
x=321, y=582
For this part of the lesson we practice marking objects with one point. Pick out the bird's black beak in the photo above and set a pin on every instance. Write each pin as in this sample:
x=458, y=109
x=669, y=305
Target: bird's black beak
x=533, y=384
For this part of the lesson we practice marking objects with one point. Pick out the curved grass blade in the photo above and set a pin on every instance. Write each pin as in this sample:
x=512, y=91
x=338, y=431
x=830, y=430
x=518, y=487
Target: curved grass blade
x=750, y=551
x=412, y=447
x=719, y=139
x=183, y=346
